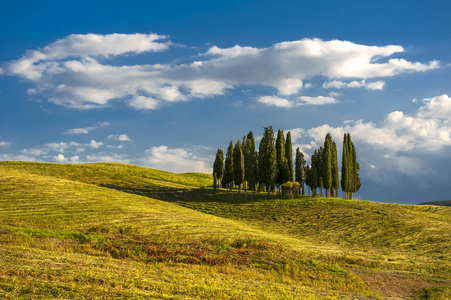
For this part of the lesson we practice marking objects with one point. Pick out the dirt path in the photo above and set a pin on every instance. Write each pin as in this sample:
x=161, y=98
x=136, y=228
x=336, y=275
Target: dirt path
x=396, y=285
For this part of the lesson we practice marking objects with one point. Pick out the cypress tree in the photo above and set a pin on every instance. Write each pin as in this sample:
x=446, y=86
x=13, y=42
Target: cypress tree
x=228, y=167
x=326, y=164
x=238, y=165
x=308, y=178
x=282, y=166
x=300, y=169
x=350, y=179
x=267, y=162
x=355, y=169
x=218, y=167
x=318, y=165
x=244, y=150
x=289, y=156
x=250, y=162
x=335, y=175
x=314, y=182
x=344, y=167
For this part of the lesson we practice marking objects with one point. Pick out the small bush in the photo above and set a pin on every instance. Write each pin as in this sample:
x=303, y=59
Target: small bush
x=290, y=189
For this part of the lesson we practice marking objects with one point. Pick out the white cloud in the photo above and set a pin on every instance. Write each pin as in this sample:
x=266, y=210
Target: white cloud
x=95, y=145
x=319, y=100
x=35, y=63
x=86, y=130
x=276, y=101
x=337, y=84
x=302, y=100
x=175, y=160
x=4, y=144
x=60, y=158
x=73, y=71
x=119, y=137
x=143, y=103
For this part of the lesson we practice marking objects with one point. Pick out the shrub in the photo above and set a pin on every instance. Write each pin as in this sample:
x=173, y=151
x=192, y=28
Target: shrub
x=290, y=189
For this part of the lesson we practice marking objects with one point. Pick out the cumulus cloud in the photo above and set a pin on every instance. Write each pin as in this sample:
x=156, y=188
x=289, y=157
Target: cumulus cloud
x=302, y=100
x=119, y=137
x=74, y=71
x=175, y=160
x=337, y=84
x=95, y=145
x=428, y=130
x=62, y=159
x=276, y=101
x=86, y=130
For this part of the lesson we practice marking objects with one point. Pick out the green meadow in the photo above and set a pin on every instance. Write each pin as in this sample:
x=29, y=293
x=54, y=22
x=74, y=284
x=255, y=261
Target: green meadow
x=115, y=231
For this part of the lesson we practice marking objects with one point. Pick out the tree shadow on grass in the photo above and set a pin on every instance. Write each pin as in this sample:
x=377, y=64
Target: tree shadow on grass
x=170, y=194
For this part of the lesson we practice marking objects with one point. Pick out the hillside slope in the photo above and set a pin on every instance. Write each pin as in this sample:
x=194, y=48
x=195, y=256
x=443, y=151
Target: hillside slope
x=67, y=229
x=68, y=239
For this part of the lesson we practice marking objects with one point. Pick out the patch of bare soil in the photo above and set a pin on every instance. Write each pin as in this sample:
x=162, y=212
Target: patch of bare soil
x=396, y=285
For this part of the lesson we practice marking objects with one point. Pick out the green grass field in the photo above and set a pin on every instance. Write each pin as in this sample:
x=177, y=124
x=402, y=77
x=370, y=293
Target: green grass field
x=114, y=231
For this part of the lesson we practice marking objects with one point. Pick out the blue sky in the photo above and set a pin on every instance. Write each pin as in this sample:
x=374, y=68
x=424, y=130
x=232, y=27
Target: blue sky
x=164, y=84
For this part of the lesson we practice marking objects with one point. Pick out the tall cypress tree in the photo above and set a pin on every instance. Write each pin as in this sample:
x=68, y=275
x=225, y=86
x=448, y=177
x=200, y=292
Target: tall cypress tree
x=335, y=175
x=218, y=167
x=228, y=167
x=344, y=167
x=300, y=169
x=238, y=165
x=282, y=167
x=267, y=162
x=326, y=164
x=244, y=150
x=355, y=169
x=317, y=166
x=289, y=156
x=350, y=179
x=250, y=162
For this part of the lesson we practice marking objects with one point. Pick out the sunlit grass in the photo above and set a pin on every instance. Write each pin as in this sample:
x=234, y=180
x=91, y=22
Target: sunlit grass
x=65, y=233
x=101, y=231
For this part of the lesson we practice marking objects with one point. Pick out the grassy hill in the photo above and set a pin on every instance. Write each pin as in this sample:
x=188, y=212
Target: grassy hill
x=114, y=231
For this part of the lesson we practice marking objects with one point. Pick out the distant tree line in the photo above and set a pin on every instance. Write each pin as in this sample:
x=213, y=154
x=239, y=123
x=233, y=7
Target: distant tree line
x=271, y=166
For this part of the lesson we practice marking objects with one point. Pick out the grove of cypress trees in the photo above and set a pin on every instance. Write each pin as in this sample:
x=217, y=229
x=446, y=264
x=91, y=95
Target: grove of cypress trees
x=228, y=167
x=218, y=167
x=238, y=165
x=267, y=162
x=289, y=157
